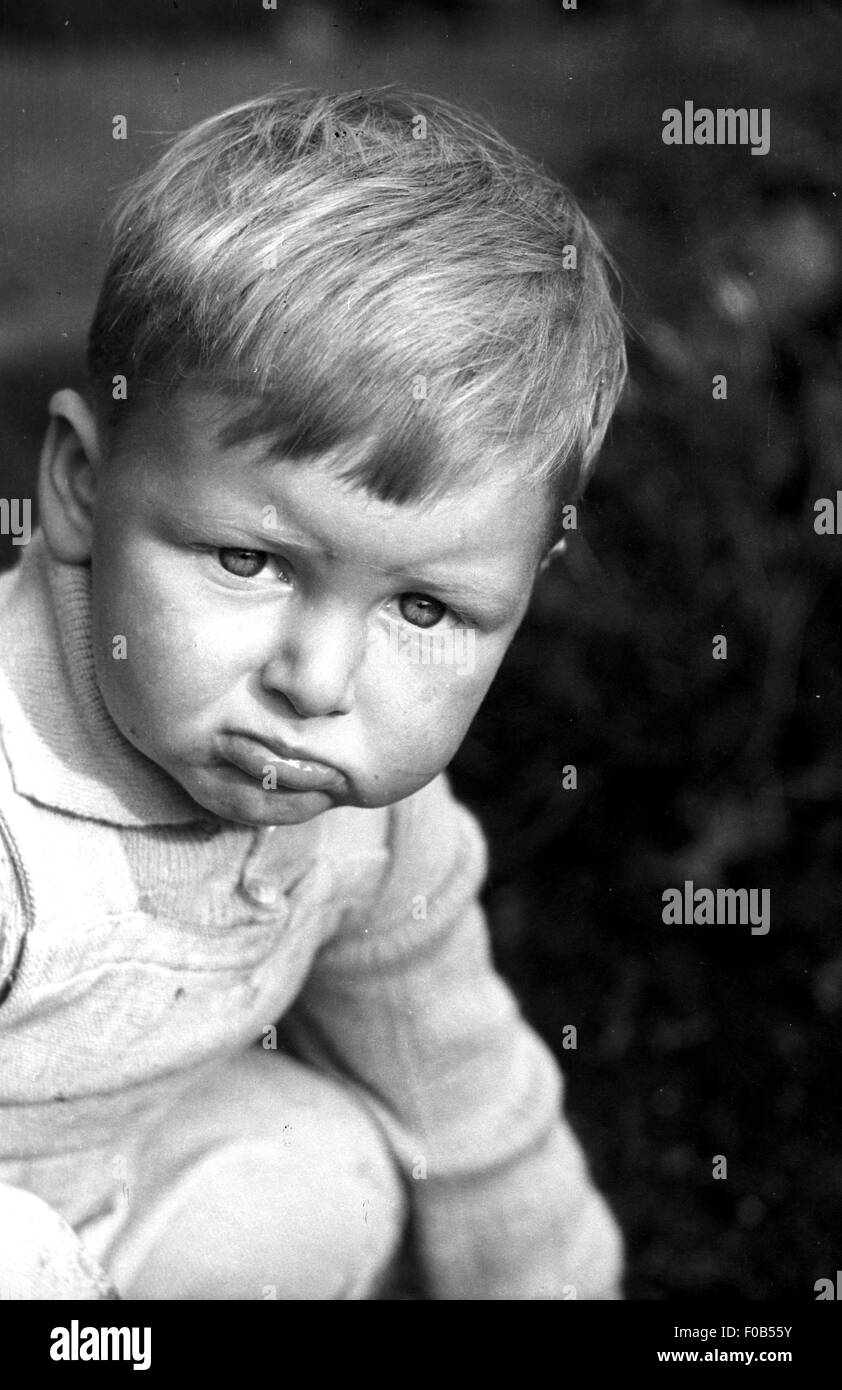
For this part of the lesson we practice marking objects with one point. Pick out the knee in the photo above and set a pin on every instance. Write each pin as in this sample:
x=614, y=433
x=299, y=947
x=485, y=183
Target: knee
x=314, y=1209
x=349, y=1206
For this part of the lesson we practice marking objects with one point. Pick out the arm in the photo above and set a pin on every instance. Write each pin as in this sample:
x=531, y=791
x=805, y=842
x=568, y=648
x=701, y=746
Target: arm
x=40, y=1255
x=404, y=1002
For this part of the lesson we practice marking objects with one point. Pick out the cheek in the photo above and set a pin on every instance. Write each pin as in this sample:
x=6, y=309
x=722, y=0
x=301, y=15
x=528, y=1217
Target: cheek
x=155, y=654
x=428, y=707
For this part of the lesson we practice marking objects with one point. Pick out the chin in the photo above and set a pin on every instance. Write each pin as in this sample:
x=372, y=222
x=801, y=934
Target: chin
x=256, y=807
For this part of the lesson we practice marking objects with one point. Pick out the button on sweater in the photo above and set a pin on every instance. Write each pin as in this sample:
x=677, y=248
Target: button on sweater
x=140, y=939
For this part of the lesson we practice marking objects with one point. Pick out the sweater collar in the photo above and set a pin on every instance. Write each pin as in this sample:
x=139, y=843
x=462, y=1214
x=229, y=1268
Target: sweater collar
x=63, y=747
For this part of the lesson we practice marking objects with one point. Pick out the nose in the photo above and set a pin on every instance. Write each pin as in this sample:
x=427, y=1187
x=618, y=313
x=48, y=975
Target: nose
x=315, y=662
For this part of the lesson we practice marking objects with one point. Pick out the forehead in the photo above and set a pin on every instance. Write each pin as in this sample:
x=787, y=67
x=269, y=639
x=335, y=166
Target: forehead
x=179, y=445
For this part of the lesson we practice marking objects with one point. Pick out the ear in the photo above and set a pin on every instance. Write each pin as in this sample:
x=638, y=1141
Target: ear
x=70, y=460
x=556, y=550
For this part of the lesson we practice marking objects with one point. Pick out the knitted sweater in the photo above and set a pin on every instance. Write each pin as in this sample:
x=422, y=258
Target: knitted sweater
x=140, y=939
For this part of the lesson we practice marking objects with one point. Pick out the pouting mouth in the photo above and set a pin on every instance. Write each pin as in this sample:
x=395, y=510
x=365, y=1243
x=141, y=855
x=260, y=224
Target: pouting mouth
x=277, y=766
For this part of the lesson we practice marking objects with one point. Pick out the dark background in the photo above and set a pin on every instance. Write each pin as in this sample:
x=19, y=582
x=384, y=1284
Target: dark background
x=693, y=1041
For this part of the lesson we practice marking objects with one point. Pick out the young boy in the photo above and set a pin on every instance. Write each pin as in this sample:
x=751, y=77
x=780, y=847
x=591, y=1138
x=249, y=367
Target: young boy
x=351, y=357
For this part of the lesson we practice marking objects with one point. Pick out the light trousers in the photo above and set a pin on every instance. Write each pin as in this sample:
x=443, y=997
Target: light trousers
x=265, y=1180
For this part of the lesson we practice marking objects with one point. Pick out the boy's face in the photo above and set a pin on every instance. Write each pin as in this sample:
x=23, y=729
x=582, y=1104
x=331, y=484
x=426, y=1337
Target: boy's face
x=290, y=643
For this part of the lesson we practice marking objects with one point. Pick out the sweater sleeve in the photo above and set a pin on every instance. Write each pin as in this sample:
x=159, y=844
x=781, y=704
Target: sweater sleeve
x=404, y=1003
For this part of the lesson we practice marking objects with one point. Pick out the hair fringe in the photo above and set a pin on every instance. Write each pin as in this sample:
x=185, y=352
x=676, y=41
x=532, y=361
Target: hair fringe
x=345, y=281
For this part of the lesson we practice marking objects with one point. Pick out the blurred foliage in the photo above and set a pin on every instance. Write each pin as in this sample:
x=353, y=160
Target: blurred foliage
x=692, y=1041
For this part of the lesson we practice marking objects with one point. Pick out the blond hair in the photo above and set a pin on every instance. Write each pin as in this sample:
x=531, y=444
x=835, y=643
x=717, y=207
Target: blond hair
x=374, y=266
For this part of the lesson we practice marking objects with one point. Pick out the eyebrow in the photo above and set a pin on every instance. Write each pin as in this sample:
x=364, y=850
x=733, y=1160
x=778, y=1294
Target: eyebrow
x=499, y=604
x=496, y=607
x=464, y=589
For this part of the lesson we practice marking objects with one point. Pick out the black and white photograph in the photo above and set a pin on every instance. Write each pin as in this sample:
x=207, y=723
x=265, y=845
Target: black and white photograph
x=420, y=688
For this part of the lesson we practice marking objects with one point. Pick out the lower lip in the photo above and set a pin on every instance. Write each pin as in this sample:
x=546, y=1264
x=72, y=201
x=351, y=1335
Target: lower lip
x=292, y=774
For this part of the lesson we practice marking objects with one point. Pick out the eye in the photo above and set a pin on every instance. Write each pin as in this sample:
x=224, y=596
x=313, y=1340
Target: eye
x=246, y=564
x=421, y=610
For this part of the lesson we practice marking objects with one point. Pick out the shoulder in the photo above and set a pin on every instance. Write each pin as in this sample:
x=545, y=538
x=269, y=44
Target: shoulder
x=433, y=822
x=20, y=589
x=430, y=824
x=15, y=906
x=16, y=909
x=375, y=854
x=433, y=845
